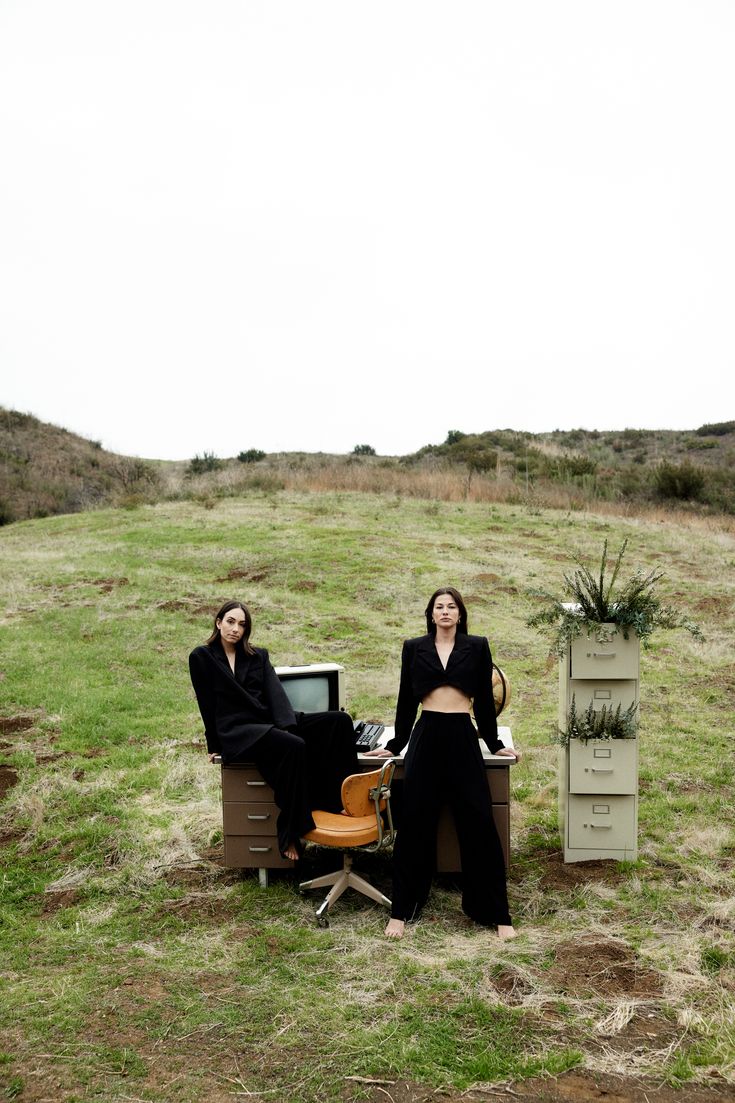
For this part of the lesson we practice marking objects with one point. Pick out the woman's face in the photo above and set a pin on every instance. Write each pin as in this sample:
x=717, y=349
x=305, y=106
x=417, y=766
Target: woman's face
x=445, y=613
x=232, y=626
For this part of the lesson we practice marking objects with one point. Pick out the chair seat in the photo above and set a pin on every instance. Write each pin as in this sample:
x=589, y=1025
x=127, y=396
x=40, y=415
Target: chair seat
x=334, y=829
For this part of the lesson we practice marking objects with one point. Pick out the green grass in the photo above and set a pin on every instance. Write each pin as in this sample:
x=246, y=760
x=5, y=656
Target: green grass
x=132, y=965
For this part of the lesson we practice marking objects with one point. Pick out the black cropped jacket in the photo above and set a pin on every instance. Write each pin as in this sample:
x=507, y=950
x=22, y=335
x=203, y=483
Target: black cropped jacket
x=469, y=669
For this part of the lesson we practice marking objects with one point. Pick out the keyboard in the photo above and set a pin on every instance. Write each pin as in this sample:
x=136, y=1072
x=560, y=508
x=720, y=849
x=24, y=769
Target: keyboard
x=367, y=735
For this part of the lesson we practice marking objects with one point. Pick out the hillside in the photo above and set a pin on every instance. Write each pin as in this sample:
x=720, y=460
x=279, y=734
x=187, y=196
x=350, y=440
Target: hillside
x=135, y=966
x=46, y=470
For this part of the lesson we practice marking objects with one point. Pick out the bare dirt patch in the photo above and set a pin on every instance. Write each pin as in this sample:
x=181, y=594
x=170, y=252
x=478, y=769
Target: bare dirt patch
x=10, y=724
x=577, y=1086
x=8, y=778
x=559, y=875
x=106, y=585
x=591, y=966
x=644, y=1032
x=55, y=901
x=193, y=607
x=245, y=574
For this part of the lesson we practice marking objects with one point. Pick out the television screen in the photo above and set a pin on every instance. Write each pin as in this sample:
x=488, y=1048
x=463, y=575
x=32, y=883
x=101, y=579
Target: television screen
x=315, y=688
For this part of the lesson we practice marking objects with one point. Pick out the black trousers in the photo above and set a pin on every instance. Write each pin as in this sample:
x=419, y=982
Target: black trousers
x=444, y=766
x=306, y=768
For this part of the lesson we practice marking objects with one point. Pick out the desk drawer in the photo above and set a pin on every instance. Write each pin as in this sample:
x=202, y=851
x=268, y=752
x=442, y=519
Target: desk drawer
x=602, y=822
x=249, y=817
x=244, y=783
x=253, y=851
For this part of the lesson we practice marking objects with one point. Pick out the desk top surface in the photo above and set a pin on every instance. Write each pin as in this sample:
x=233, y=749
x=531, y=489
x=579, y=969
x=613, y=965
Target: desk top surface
x=489, y=759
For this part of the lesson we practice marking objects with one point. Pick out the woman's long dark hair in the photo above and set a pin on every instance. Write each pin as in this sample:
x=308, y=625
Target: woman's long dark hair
x=457, y=598
x=244, y=643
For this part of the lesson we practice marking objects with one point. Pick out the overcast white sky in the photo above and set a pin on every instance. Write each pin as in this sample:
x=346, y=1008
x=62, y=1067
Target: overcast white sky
x=309, y=224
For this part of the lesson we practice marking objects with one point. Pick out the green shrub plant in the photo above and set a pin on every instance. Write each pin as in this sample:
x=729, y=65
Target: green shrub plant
x=599, y=598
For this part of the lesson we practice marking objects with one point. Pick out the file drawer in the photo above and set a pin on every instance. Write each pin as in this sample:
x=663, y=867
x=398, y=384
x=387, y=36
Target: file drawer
x=602, y=823
x=607, y=693
x=605, y=653
x=603, y=766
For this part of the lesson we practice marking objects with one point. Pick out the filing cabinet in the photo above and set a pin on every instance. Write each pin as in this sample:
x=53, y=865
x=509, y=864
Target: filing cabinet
x=598, y=780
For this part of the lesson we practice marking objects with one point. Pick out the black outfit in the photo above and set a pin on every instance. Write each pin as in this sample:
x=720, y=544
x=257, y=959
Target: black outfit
x=444, y=765
x=247, y=717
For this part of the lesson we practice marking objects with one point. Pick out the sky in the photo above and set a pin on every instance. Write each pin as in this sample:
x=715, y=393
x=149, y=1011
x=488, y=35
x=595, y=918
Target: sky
x=311, y=224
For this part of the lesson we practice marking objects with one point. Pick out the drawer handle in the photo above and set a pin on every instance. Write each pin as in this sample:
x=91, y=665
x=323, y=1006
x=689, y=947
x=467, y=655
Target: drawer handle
x=255, y=783
x=265, y=817
x=260, y=849
x=595, y=770
x=601, y=654
x=599, y=826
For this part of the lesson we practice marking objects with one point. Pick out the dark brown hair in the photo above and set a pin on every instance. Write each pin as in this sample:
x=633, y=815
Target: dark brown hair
x=457, y=598
x=244, y=643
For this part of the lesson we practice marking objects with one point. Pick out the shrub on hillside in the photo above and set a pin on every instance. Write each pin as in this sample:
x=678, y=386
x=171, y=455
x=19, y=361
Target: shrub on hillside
x=717, y=429
x=363, y=450
x=252, y=455
x=206, y=462
x=682, y=481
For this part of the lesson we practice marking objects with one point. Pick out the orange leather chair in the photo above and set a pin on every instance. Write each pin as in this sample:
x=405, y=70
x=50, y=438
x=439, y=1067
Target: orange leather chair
x=365, y=822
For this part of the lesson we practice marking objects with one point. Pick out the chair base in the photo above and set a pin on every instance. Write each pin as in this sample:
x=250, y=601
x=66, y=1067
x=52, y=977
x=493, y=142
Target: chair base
x=341, y=880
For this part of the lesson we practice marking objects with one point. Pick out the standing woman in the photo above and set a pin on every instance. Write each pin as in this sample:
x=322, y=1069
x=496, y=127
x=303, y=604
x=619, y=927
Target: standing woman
x=447, y=672
x=247, y=717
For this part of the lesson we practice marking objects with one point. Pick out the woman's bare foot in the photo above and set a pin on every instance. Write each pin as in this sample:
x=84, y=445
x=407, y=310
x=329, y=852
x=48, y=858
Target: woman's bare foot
x=505, y=933
x=291, y=852
x=395, y=928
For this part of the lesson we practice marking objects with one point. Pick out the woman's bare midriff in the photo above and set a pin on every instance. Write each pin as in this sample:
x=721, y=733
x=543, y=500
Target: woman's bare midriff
x=446, y=699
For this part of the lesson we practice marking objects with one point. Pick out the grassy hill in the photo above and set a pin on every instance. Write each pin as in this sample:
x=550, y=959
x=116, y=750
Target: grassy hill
x=46, y=470
x=134, y=966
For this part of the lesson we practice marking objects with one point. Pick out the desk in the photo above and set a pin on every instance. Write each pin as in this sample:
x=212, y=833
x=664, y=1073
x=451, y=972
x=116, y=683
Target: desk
x=249, y=814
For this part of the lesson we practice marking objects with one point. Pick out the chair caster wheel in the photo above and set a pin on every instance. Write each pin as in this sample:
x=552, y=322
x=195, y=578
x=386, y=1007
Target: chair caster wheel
x=323, y=920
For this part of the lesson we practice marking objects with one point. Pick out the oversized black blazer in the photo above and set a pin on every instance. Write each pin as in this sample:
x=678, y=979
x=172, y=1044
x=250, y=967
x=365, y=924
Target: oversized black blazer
x=237, y=709
x=469, y=669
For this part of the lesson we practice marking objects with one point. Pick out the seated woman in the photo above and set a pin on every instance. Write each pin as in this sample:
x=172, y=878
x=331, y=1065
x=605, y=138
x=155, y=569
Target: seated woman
x=447, y=672
x=247, y=717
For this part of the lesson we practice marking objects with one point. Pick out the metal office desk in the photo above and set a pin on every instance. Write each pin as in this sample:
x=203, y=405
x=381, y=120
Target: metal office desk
x=249, y=814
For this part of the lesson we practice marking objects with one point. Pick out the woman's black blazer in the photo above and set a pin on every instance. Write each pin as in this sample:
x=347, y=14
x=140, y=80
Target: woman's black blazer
x=469, y=669
x=237, y=709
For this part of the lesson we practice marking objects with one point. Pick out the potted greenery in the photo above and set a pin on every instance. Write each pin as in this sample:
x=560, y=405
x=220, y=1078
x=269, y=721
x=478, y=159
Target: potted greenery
x=594, y=600
x=604, y=723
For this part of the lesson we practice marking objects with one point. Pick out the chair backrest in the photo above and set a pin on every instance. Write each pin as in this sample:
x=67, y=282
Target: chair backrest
x=356, y=793
x=369, y=794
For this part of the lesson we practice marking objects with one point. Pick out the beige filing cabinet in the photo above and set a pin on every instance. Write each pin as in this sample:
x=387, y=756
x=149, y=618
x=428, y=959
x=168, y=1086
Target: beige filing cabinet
x=249, y=814
x=598, y=780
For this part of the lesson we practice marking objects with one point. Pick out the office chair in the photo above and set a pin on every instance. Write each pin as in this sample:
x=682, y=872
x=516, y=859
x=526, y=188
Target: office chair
x=365, y=823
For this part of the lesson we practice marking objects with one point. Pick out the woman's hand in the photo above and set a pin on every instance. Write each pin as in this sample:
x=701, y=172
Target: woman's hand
x=379, y=752
x=212, y=756
x=509, y=752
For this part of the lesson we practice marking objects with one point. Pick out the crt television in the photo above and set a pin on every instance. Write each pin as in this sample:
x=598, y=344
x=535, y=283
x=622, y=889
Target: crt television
x=316, y=688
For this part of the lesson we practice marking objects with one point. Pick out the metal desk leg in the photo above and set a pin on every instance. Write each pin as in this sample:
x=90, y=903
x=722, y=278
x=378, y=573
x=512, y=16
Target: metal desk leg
x=263, y=877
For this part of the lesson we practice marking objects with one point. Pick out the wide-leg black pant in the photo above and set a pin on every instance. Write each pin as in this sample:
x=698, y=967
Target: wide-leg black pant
x=444, y=766
x=306, y=769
